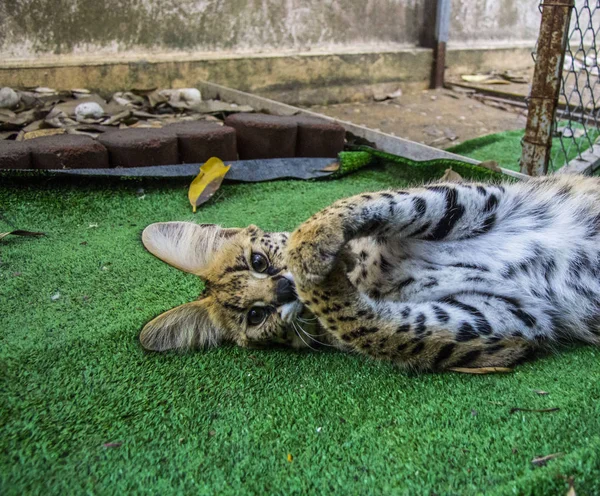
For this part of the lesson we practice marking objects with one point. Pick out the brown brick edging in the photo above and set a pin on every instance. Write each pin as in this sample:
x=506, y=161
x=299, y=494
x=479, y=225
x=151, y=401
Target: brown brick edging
x=249, y=136
x=264, y=136
x=140, y=147
x=67, y=151
x=14, y=155
x=204, y=139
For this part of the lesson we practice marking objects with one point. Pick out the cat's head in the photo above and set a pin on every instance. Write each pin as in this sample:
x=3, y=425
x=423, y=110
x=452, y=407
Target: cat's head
x=249, y=296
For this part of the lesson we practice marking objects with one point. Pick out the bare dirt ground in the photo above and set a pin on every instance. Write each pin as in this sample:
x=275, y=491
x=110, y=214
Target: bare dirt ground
x=439, y=118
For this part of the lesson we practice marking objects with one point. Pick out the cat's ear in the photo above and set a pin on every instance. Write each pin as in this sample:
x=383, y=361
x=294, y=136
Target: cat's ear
x=184, y=327
x=185, y=245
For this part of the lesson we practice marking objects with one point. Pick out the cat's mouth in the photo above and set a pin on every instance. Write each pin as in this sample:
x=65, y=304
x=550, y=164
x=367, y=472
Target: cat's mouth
x=303, y=323
x=291, y=311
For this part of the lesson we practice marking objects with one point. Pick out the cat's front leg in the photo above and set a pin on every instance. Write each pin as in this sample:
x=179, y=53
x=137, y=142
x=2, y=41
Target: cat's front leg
x=433, y=213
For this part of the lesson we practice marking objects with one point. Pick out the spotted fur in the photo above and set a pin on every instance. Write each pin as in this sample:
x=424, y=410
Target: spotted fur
x=446, y=275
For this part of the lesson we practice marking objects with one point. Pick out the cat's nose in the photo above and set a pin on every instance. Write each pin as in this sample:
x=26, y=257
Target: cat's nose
x=285, y=291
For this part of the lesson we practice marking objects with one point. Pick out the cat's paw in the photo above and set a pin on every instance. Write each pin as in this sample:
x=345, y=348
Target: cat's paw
x=312, y=252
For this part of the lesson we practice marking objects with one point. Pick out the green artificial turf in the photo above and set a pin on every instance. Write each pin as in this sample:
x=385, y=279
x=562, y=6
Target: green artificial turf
x=505, y=147
x=74, y=378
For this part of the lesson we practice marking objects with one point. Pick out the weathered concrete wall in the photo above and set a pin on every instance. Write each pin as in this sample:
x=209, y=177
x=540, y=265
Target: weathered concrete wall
x=298, y=51
x=32, y=29
x=477, y=22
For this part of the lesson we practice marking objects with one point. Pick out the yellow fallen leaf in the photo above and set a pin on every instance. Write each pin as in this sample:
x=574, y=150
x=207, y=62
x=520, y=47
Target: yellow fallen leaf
x=207, y=182
x=481, y=370
x=290, y=458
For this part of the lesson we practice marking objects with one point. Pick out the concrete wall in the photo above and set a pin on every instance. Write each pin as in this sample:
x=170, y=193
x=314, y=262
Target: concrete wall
x=34, y=29
x=297, y=51
x=30, y=28
x=476, y=22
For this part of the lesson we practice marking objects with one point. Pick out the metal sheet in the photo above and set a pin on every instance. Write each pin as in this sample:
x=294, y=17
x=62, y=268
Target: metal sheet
x=383, y=141
x=251, y=171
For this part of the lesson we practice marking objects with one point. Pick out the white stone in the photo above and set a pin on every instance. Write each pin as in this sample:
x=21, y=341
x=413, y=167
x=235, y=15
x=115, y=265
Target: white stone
x=9, y=98
x=88, y=110
x=190, y=95
x=182, y=96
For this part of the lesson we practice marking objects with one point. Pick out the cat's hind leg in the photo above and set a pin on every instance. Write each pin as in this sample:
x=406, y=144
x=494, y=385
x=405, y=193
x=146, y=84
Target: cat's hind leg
x=464, y=330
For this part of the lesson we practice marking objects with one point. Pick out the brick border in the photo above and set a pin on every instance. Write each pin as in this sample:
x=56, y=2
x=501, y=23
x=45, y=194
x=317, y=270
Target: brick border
x=244, y=135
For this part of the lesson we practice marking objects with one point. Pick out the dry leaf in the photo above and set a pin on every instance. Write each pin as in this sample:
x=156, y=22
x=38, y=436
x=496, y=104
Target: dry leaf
x=514, y=78
x=128, y=99
x=34, y=126
x=44, y=90
x=216, y=106
x=491, y=165
x=20, y=119
x=7, y=114
x=117, y=117
x=475, y=78
x=20, y=232
x=380, y=95
x=542, y=460
x=207, y=182
x=144, y=115
x=290, y=458
x=332, y=167
x=451, y=177
x=43, y=132
x=58, y=118
x=542, y=410
x=481, y=370
x=496, y=81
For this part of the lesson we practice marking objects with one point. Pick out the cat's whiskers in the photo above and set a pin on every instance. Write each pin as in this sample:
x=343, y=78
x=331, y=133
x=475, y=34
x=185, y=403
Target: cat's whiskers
x=300, y=336
x=312, y=337
x=306, y=319
x=310, y=322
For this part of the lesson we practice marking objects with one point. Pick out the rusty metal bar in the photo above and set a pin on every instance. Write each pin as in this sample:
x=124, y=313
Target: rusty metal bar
x=552, y=42
x=442, y=29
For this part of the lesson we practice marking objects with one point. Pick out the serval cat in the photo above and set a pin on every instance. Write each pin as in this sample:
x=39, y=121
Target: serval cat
x=435, y=277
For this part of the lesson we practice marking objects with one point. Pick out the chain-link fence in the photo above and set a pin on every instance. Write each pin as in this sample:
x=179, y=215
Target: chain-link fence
x=564, y=120
x=577, y=119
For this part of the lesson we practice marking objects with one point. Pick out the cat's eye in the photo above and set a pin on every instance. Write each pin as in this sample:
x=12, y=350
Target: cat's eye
x=259, y=262
x=257, y=315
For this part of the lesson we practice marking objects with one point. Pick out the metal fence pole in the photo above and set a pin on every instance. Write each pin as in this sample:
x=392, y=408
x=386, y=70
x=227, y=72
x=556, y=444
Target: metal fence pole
x=545, y=87
x=442, y=28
